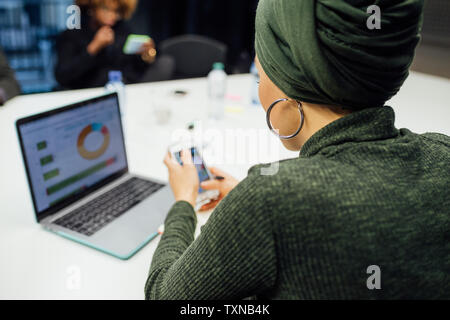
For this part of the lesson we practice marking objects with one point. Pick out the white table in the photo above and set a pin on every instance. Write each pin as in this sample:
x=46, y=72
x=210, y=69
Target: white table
x=38, y=264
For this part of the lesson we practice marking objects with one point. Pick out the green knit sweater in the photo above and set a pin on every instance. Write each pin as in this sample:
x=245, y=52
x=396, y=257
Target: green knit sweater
x=361, y=193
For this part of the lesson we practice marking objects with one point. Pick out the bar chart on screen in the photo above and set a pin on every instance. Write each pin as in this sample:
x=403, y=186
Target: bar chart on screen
x=73, y=151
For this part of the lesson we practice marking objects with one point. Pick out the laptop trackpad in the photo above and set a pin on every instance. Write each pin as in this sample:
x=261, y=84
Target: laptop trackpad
x=134, y=228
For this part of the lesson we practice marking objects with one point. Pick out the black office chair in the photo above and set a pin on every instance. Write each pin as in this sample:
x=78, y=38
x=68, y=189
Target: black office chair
x=194, y=55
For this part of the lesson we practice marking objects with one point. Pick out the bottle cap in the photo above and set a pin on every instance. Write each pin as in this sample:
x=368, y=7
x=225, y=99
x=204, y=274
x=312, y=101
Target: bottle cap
x=218, y=66
x=115, y=76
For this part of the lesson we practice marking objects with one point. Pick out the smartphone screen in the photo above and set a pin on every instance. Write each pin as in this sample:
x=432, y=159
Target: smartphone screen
x=199, y=165
x=134, y=43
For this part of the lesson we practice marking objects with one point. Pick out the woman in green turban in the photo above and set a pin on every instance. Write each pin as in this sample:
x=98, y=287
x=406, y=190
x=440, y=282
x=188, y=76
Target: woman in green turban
x=362, y=213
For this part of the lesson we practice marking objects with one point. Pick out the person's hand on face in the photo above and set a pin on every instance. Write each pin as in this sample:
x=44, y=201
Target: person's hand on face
x=148, y=51
x=183, y=179
x=103, y=38
x=224, y=186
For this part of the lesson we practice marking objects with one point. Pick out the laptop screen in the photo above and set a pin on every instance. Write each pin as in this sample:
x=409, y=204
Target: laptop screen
x=70, y=151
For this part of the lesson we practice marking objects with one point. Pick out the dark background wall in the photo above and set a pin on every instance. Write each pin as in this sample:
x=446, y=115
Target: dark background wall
x=229, y=21
x=433, y=54
x=28, y=29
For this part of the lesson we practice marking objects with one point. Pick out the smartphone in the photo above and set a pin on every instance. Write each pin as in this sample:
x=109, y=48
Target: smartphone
x=204, y=196
x=134, y=43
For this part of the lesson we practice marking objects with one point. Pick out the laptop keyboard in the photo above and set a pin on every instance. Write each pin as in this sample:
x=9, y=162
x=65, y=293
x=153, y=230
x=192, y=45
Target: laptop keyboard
x=97, y=213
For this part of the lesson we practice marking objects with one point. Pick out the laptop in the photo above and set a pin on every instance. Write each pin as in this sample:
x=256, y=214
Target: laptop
x=81, y=188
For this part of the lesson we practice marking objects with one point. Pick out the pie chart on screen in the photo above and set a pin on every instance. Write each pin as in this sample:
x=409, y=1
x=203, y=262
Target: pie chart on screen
x=93, y=154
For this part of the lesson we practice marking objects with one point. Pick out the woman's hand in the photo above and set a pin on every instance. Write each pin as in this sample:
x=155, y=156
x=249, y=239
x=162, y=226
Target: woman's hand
x=103, y=37
x=183, y=179
x=224, y=186
x=148, y=51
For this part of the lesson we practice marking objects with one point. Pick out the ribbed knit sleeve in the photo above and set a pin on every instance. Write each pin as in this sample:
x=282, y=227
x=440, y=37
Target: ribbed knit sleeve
x=233, y=257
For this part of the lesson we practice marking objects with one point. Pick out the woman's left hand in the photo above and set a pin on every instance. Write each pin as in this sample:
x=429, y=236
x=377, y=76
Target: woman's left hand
x=148, y=51
x=183, y=179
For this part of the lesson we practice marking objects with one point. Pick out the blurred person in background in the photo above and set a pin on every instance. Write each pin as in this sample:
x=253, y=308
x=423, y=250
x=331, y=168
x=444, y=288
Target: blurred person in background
x=9, y=87
x=86, y=55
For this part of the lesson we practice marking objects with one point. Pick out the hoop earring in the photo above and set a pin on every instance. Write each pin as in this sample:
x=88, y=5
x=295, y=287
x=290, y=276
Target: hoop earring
x=302, y=116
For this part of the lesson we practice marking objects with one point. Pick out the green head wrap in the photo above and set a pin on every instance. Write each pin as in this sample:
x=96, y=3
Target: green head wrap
x=322, y=51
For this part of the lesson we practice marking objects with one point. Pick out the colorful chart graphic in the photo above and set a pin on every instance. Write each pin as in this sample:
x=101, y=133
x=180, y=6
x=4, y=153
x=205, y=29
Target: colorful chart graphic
x=79, y=176
x=84, y=133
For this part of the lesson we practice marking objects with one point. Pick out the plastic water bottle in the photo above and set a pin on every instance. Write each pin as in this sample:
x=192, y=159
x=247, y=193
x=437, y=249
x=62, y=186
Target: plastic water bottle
x=255, y=78
x=115, y=84
x=217, y=82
